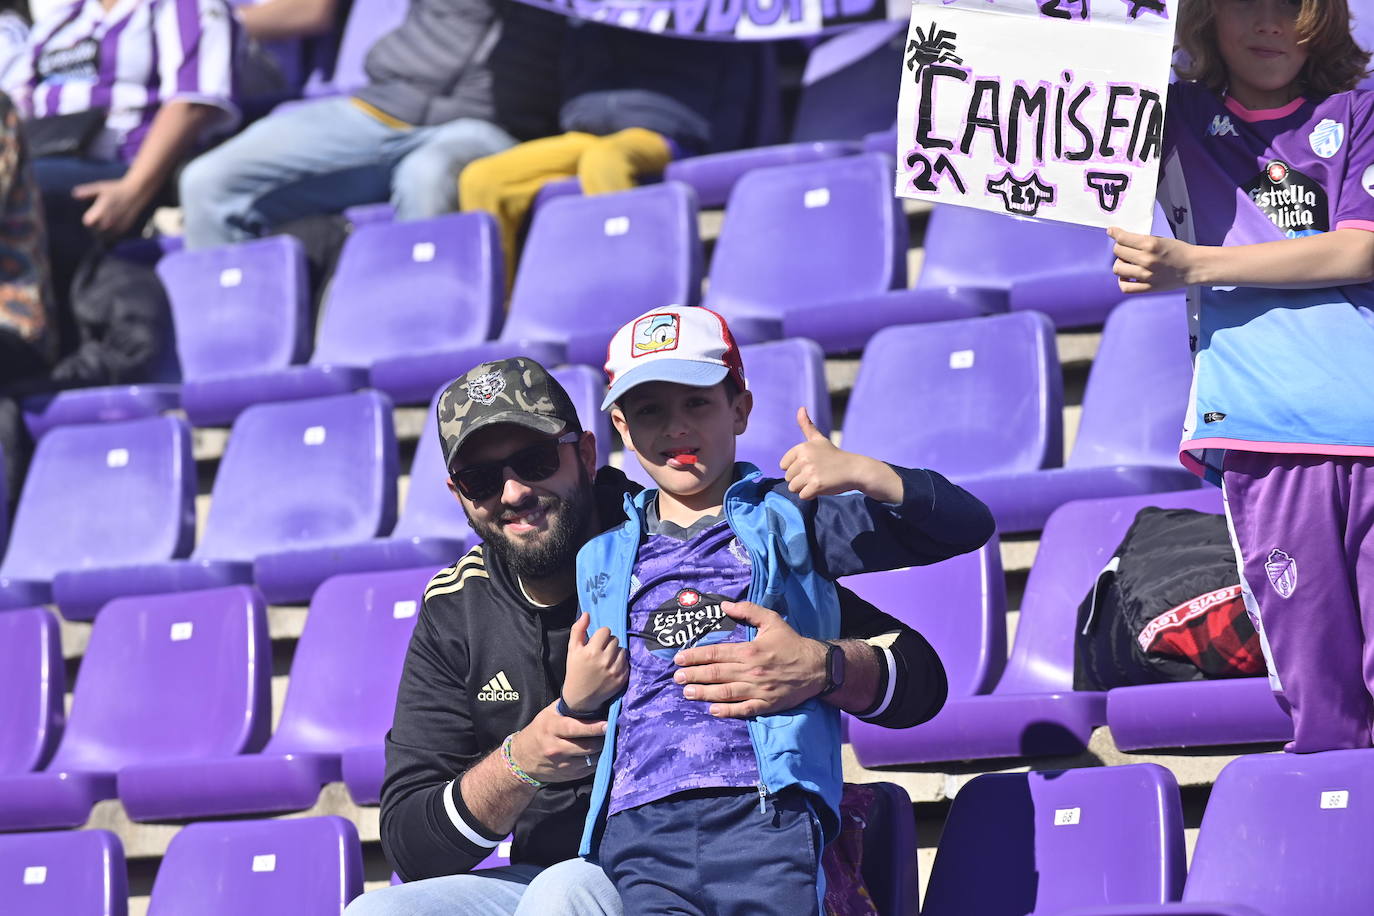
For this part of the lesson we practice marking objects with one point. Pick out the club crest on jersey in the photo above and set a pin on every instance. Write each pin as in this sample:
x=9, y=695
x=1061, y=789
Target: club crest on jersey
x=686, y=617
x=654, y=334
x=485, y=388
x=1221, y=126
x=1326, y=138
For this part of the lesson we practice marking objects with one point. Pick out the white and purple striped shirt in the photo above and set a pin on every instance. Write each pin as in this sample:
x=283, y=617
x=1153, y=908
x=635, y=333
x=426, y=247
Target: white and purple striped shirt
x=128, y=60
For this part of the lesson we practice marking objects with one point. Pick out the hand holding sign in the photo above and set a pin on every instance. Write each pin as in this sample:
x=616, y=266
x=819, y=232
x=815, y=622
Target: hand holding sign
x=1151, y=264
x=815, y=467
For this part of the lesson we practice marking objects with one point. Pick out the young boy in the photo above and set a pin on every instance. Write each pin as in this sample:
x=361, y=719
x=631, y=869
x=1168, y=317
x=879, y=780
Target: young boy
x=691, y=813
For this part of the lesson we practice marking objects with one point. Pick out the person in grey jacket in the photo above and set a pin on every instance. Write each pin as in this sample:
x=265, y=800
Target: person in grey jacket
x=457, y=80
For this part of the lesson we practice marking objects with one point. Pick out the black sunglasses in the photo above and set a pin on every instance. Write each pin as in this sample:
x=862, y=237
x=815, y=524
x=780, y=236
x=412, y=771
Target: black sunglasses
x=532, y=464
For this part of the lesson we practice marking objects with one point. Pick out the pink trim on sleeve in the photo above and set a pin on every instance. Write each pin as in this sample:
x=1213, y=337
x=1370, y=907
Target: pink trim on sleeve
x=1366, y=224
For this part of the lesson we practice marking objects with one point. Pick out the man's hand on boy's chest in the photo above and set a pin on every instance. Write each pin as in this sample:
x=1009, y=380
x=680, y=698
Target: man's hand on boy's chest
x=779, y=669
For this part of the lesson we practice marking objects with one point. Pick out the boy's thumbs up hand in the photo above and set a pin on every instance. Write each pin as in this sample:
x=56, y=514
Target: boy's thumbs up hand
x=815, y=467
x=810, y=432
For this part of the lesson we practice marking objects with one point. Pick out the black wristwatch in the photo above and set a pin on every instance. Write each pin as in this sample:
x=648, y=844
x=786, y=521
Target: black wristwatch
x=834, y=669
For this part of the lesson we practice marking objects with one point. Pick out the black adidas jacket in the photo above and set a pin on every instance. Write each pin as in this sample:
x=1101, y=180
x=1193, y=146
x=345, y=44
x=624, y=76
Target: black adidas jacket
x=483, y=661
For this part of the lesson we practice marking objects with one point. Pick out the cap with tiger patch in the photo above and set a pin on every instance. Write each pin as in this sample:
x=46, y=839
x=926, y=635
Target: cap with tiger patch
x=687, y=345
x=518, y=391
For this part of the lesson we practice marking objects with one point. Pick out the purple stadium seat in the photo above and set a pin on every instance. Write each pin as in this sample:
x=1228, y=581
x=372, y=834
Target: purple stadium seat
x=1034, y=710
x=32, y=681
x=432, y=530
x=889, y=864
x=78, y=873
x=589, y=265
x=822, y=237
x=99, y=498
x=1078, y=288
x=783, y=375
x=104, y=404
x=1199, y=714
x=973, y=261
x=847, y=91
x=367, y=214
x=341, y=695
x=959, y=605
x=295, y=476
x=368, y=20
x=239, y=310
x=881, y=141
x=1362, y=27
x=363, y=768
x=1017, y=844
x=1127, y=443
x=402, y=291
x=965, y=398
x=1282, y=834
x=586, y=388
x=309, y=866
x=165, y=677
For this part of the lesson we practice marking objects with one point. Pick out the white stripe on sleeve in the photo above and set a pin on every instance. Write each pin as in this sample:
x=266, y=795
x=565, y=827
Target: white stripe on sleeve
x=885, y=654
x=215, y=64
x=170, y=53
x=472, y=836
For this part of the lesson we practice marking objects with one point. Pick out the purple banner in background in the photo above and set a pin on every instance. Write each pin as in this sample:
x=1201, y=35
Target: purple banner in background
x=723, y=20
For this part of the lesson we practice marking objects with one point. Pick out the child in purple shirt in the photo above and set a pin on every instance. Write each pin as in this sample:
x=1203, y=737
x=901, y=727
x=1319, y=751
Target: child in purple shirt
x=695, y=810
x=1267, y=178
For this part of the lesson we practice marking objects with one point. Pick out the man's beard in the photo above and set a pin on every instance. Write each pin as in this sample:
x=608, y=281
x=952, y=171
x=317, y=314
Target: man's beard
x=555, y=550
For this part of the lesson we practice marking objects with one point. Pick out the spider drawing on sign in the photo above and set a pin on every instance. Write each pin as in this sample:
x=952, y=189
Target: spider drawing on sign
x=933, y=46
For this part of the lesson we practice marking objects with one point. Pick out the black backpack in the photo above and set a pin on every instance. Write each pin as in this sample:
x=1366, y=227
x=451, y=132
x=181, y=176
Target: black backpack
x=1168, y=607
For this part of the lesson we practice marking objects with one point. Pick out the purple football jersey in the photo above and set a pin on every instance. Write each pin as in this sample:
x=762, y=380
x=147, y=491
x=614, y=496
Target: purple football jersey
x=665, y=743
x=1275, y=370
x=1255, y=176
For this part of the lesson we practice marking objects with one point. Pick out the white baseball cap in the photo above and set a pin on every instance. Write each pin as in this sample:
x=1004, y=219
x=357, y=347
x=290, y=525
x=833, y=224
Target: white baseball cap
x=687, y=345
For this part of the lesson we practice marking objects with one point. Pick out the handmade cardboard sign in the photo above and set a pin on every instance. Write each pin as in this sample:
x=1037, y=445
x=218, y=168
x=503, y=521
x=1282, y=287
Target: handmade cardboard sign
x=1043, y=108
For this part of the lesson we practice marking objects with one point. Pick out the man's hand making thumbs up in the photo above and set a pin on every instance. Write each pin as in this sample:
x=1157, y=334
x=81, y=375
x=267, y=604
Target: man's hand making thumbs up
x=815, y=467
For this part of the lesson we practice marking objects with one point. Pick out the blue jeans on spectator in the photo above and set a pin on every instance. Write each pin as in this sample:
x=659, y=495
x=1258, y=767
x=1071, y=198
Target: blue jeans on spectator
x=571, y=888
x=324, y=156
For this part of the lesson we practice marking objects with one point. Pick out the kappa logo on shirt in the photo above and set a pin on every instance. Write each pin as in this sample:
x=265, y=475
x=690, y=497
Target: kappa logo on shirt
x=498, y=688
x=1221, y=126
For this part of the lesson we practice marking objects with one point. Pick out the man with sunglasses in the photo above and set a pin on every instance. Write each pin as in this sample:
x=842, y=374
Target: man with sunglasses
x=481, y=747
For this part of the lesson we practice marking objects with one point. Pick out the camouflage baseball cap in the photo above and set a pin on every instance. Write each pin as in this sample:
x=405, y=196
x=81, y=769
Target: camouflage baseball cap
x=517, y=390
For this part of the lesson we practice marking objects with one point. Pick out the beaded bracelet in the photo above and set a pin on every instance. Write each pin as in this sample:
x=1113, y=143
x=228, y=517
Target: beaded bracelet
x=514, y=767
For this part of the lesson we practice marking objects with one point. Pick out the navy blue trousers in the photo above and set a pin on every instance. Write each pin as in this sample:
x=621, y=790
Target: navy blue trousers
x=712, y=852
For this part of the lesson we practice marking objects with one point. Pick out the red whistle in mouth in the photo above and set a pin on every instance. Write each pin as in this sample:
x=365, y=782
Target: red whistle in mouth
x=685, y=459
